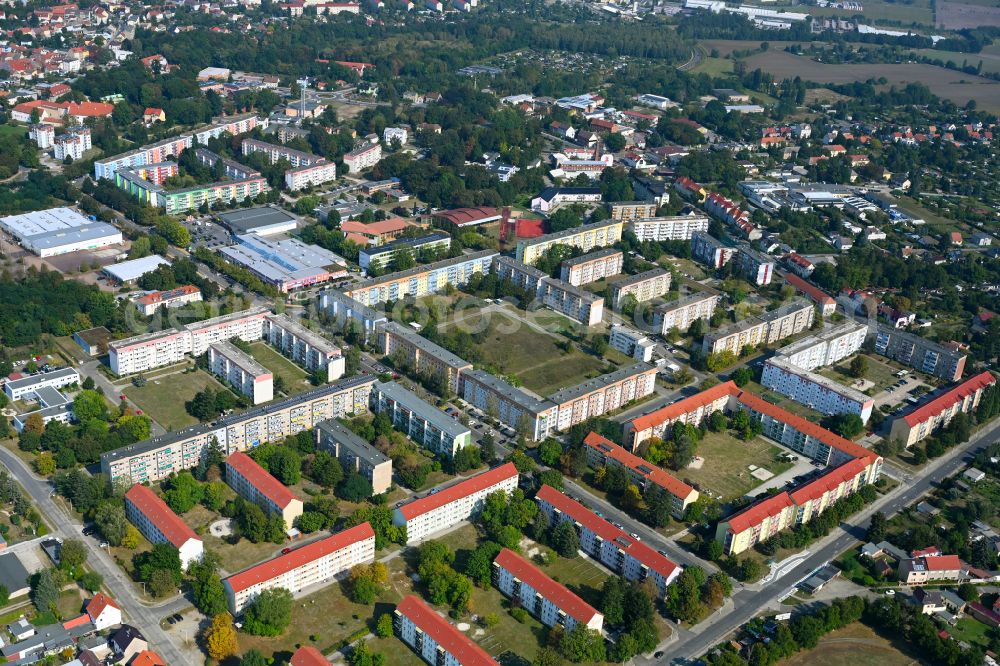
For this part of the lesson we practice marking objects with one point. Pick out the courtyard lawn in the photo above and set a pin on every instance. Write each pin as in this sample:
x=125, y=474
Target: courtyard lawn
x=296, y=379
x=972, y=631
x=881, y=373
x=726, y=460
x=533, y=357
x=163, y=398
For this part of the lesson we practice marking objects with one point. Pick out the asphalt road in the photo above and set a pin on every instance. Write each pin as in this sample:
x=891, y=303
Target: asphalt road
x=145, y=618
x=754, y=600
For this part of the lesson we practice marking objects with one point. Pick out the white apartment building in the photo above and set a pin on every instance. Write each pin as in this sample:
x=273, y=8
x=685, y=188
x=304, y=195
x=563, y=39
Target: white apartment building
x=768, y=328
x=155, y=521
x=310, y=350
x=73, y=144
x=433, y=513
x=255, y=484
x=578, y=304
x=363, y=158
x=602, y=394
x=310, y=175
x=592, y=267
x=683, y=312
x=17, y=389
x=618, y=551
x=318, y=563
x=632, y=342
x=390, y=134
x=541, y=596
x=680, y=227
x=245, y=374
x=430, y=636
x=421, y=421
x=518, y=409
x=247, y=325
x=147, y=351
x=644, y=286
x=355, y=454
x=828, y=347
x=814, y=390
x=43, y=135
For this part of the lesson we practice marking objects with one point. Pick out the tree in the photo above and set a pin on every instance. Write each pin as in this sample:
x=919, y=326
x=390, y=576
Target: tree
x=565, y=540
x=366, y=581
x=72, y=554
x=88, y=406
x=183, y=492
x=220, y=637
x=582, y=644
x=162, y=583
x=859, y=366
x=214, y=497
x=132, y=537
x=253, y=658
x=45, y=591
x=207, y=590
x=742, y=376
x=383, y=628
x=326, y=470
x=45, y=463
x=355, y=488
x=269, y=614
x=4, y=596
x=876, y=528
x=845, y=425
x=968, y=592
x=285, y=464
x=90, y=581
x=163, y=558
x=549, y=452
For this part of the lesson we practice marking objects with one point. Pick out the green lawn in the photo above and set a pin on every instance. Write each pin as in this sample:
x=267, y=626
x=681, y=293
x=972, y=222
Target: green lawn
x=971, y=630
x=879, y=372
x=163, y=398
x=296, y=379
x=726, y=460
x=714, y=66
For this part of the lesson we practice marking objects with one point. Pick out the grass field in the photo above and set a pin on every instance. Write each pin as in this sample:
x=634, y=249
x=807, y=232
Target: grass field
x=971, y=630
x=163, y=398
x=854, y=645
x=530, y=355
x=990, y=61
x=296, y=379
x=726, y=460
x=958, y=87
x=713, y=66
x=881, y=373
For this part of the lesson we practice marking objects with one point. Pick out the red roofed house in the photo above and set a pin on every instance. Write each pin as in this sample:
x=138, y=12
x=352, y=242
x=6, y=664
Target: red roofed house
x=955, y=238
x=156, y=61
x=758, y=522
x=820, y=298
x=617, y=550
x=541, y=596
x=253, y=483
x=377, y=233
x=454, y=504
x=78, y=113
x=153, y=114
x=154, y=519
x=602, y=452
x=147, y=658
x=688, y=187
x=307, y=655
x=433, y=638
x=318, y=562
x=920, y=570
x=937, y=413
x=48, y=112
x=358, y=67
x=103, y=611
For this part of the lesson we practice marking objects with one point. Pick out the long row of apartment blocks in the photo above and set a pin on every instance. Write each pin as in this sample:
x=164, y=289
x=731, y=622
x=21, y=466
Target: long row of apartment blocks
x=767, y=328
x=576, y=303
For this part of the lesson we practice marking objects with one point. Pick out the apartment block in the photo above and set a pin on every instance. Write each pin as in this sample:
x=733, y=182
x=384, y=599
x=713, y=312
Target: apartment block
x=247, y=325
x=644, y=286
x=433, y=513
x=355, y=454
x=430, y=636
x=757, y=267
x=527, y=413
x=623, y=554
x=255, y=484
x=275, y=152
x=940, y=409
x=765, y=329
x=73, y=144
x=578, y=304
x=380, y=256
x=820, y=299
x=155, y=459
x=602, y=452
x=586, y=237
x=309, y=176
x=408, y=349
x=149, y=303
x=522, y=275
x=552, y=603
x=421, y=280
x=318, y=563
x=242, y=372
x=230, y=168
x=363, y=158
x=424, y=423
x=603, y=394
x=147, y=351
x=660, y=229
x=17, y=389
x=307, y=348
x=919, y=353
x=159, y=524
x=683, y=312
x=710, y=250
x=691, y=410
x=827, y=347
x=631, y=342
x=626, y=211
x=345, y=312
x=592, y=267
x=814, y=390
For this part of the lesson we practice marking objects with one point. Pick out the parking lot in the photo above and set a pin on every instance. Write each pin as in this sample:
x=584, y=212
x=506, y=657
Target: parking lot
x=205, y=231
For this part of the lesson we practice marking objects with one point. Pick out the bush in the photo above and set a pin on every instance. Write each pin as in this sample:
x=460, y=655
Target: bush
x=520, y=615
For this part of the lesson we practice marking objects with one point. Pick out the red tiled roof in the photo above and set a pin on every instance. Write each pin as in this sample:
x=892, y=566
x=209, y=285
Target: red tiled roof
x=90, y=109
x=602, y=528
x=444, y=634
x=463, y=216
x=374, y=228
x=810, y=290
x=946, y=400
x=755, y=514
x=457, y=491
x=307, y=655
x=943, y=563
x=147, y=658
x=78, y=621
x=758, y=404
x=829, y=481
x=558, y=594
x=156, y=510
x=657, y=475
x=159, y=296
x=675, y=410
x=97, y=605
x=282, y=564
x=261, y=479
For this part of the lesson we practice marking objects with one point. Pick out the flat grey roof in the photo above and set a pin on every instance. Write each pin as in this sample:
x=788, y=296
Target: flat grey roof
x=422, y=343
x=134, y=269
x=246, y=220
x=422, y=408
x=281, y=260
x=639, y=277
x=50, y=397
x=521, y=267
x=205, y=323
x=426, y=268
x=40, y=222
x=56, y=238
x=591, y=385
x=825, y=382
x=517, y=396
x=314, y=339
x=349, y=439
x=27, y=382
x=566, y=233
x=392, y=246
x=685, y=301
x=240, y=359
x=13, y=575
x=591, y=256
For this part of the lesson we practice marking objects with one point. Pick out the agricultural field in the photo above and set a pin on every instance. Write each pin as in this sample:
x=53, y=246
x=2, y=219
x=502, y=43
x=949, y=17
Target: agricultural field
x=163, y=398
x=854, y=645
x=725, y=461
x=960, y=15
x=990, y=61
x=958, y=87
x=917, y=13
